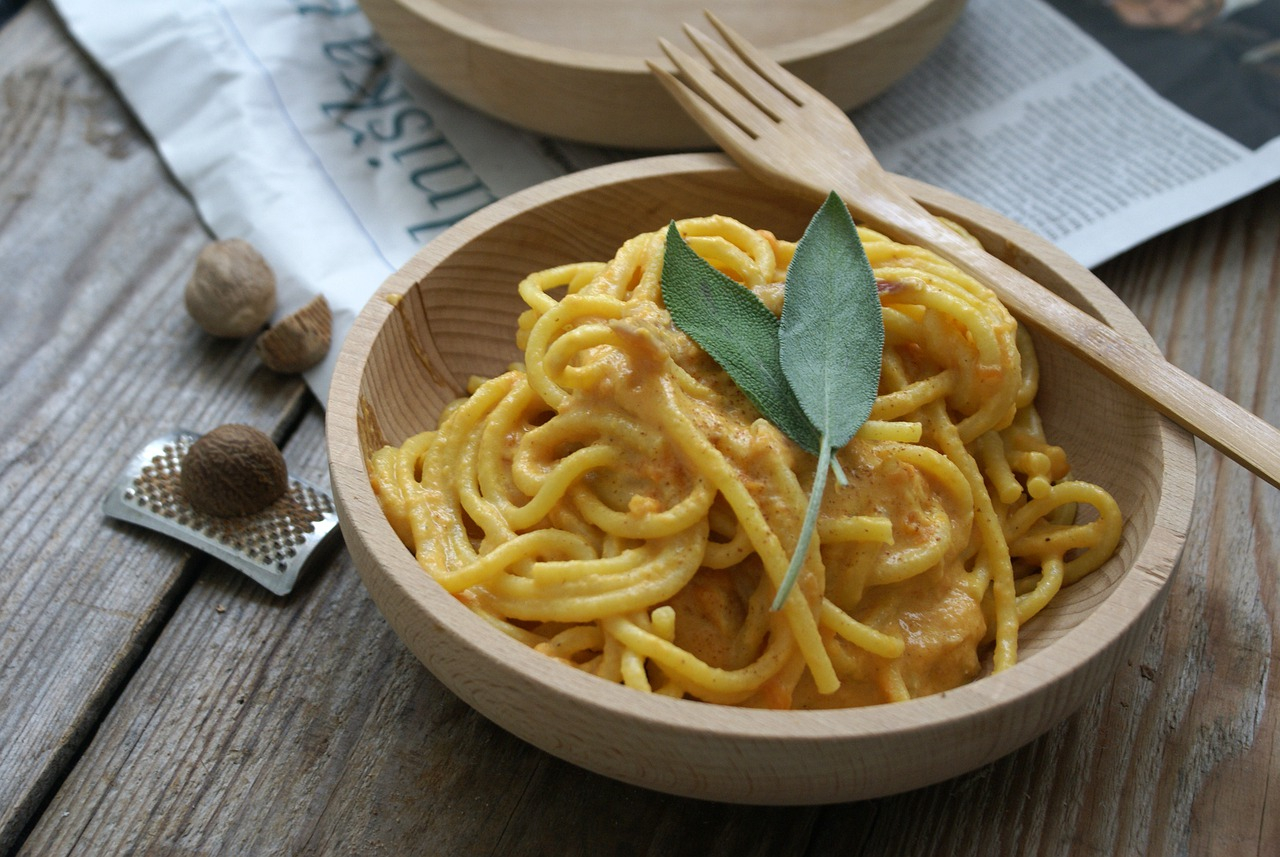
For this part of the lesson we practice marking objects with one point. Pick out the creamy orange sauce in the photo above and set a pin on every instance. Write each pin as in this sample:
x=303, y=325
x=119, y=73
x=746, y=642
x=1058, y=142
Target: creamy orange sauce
x=617, y=503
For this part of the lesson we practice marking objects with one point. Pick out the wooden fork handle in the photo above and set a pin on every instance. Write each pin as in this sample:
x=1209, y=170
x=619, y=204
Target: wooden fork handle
x=1197, y=407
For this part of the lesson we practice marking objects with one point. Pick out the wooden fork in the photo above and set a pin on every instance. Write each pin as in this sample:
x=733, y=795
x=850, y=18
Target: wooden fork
x=790, y=136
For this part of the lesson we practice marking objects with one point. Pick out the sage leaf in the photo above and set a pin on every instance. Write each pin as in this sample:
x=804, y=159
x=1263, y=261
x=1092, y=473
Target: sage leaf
x=815, y=373
x=737, y=330
x=810, y=523
x=831, y=337
x=831, y=344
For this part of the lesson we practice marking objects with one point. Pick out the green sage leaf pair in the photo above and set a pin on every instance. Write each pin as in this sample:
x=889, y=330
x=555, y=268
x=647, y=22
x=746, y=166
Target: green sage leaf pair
x=815, y=372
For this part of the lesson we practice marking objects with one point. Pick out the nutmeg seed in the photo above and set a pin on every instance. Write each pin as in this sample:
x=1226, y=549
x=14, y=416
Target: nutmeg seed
x=233, y=470
x=232, y=291
x=299, y=340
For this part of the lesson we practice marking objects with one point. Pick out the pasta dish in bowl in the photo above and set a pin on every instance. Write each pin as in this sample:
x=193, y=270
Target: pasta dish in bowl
x=589, y=495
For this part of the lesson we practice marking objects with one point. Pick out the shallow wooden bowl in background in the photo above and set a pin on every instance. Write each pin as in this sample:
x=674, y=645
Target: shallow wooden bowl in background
x=451, y=313
x=576, y=68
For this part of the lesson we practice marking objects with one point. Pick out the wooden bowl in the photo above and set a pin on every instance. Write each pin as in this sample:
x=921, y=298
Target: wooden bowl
x=451, y=312
x=576, y=68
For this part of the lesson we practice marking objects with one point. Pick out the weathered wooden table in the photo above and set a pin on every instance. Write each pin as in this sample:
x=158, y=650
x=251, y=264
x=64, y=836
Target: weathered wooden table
x=154, y=701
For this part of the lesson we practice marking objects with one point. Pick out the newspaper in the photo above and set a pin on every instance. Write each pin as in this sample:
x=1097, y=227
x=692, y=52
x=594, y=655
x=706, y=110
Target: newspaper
x=291, y=125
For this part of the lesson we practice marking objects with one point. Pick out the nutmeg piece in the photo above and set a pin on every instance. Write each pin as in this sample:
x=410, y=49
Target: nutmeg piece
x=232, y=290
x=298, y=341
x=233, y=470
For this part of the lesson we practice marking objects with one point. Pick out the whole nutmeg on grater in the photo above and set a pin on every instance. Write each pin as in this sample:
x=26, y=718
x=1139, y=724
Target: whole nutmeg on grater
x=233, y=470
x=222, y=493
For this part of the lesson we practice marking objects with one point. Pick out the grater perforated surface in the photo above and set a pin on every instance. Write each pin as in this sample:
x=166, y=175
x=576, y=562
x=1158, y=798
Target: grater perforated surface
x=271, y=546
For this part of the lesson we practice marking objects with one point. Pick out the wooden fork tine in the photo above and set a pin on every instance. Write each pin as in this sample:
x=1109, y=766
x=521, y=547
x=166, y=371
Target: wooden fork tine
x=708, y=97
x=784, y=81
x=725, y=131
x=760, y=90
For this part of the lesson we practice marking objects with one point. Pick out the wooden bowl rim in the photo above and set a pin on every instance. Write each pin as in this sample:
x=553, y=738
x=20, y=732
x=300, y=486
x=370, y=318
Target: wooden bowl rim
x=886, y=17
x=368, y=531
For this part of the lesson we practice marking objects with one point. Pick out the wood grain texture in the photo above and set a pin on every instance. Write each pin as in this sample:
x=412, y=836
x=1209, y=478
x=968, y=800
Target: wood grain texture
x=302, y=725
x=343, y=744
x=575, y=68
x=1211, y=291
x=97, y=357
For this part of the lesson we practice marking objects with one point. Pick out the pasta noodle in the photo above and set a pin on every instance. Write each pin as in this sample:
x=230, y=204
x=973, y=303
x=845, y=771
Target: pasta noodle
x=617, y=503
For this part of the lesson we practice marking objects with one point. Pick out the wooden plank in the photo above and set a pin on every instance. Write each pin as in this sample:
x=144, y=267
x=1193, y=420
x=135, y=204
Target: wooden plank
x=97, y=357
x=267, y=723
x=1178, y=754
x=1212, y=290
x=302, y=725
x=256, y=724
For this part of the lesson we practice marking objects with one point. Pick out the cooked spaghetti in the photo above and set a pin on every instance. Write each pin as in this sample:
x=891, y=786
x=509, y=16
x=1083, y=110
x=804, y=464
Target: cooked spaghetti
x=617, y=503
